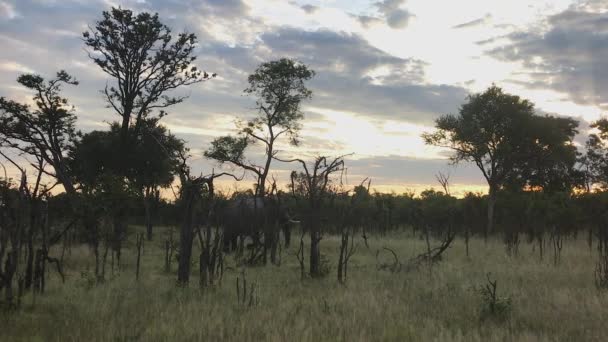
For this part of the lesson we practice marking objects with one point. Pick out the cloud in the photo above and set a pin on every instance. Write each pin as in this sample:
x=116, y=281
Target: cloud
x=473, y=23
x=367, y=21
x=569, y=54
x=398, y=169
x=14, y=67
x=7, y=10
x=354, y=77
x=346, y=63
x=395, y=16
x=309, y=9
x=390, y=12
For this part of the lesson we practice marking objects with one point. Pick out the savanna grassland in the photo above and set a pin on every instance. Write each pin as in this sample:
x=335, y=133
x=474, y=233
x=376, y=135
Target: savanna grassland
x=541, y=301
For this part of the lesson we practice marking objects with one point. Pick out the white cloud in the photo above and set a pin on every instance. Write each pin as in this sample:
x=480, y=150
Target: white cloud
x=13, y=66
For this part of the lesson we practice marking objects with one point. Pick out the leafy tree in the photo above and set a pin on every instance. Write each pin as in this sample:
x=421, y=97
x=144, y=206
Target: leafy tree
x=501, y=134
x=45, y=132
x=596, y=157
x=280, y=88
x=145, y=60
x=549, y=160
x=154, y=164
x=151, y=164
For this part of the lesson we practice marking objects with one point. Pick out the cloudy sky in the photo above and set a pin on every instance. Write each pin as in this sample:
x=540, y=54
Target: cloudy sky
x=385, y=69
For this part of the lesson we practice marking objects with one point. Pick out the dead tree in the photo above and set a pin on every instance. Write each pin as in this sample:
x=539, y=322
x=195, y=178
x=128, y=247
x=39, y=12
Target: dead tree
x=312, y=184
x=393, y=267
x=191, y=196
x=347, y=250
x=444, y=181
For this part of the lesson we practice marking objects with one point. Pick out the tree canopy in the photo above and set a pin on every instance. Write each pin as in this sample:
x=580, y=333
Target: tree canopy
x=145, y=60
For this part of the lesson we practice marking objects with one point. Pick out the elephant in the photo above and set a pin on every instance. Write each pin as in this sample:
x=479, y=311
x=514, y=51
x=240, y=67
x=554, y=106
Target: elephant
x=253, y=217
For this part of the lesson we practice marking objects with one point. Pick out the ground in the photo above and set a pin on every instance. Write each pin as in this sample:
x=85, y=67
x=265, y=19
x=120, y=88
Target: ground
x=547, y=302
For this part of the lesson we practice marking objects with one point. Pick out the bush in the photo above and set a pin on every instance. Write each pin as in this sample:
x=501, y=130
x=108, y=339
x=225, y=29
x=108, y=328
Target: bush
x=493, y=306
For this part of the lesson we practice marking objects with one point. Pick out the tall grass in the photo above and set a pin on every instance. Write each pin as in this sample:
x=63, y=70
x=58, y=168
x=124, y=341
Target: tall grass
x=549, y=302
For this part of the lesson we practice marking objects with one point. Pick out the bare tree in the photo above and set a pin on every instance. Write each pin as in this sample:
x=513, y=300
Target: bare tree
x=191, y=193
x=444, y=181
x=312, y=184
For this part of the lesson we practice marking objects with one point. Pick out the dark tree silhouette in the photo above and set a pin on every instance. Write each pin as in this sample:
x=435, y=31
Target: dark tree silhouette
x=154, y=164
x=596, y=158
x=312, y=184
x=501, y=134
x=548, y=160
x=145, y=60
x=45, y=132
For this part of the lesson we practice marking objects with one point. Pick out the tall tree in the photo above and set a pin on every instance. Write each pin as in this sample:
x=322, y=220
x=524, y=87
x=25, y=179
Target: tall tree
x=280, y=89
x=45, y=132
x=596, y=158
x=145, y=60
x=501, y=134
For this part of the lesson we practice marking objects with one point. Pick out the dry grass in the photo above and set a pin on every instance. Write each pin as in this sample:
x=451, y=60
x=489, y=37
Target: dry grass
x=549, y=302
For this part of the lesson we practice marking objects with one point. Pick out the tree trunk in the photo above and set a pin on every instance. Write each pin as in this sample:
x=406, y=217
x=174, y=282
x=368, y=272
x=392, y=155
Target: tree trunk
x=315, y=252
x=148, y=213
x=491, y=205
x=186, y=234
x=466, y=240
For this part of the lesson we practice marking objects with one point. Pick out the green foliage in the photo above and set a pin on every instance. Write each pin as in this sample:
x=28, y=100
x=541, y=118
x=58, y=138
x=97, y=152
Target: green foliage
x=45, y=132
x=228, y=149
x=152, y=160
x=511, y=145
x=280, y=89
x=596, y=158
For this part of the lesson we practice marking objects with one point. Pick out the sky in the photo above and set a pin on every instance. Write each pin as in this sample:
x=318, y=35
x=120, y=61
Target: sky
x=385, y=70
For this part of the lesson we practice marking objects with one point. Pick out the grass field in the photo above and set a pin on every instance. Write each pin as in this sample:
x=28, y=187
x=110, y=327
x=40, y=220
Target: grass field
x=548, y=303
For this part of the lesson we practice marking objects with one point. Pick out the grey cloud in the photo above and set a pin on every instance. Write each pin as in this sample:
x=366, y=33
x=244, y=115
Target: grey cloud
x=396, y=17
x=389, y=11
x=309, y=9
x=571, y=55
x=367, y=21
x=474, y=23
x=7, y=10
x=342, y=84
x=45, y=38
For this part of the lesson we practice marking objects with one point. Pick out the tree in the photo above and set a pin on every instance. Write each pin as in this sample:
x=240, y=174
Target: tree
x=501, y=134
x=147, y=63
x=549, y=161
x=191, y=193
x=104, y=192
x=312, y=184
x=280, y=88
x=596, y=158
x=46, y=132
x=154, y=164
